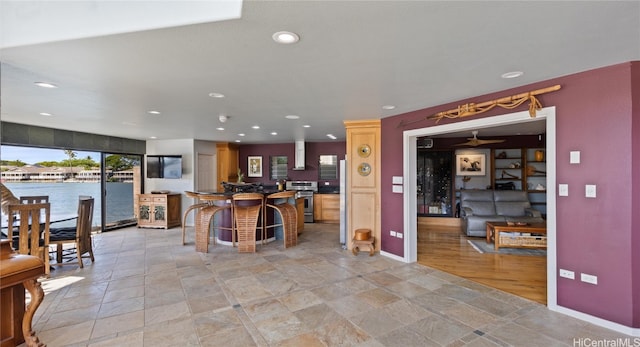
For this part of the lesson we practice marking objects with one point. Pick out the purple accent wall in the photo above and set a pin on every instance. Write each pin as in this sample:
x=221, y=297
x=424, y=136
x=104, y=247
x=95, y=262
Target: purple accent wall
x=595, y=113
x=313, y=150
x=635, y=192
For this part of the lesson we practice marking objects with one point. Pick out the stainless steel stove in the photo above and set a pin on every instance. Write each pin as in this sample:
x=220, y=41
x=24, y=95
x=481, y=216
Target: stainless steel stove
x=305, y=189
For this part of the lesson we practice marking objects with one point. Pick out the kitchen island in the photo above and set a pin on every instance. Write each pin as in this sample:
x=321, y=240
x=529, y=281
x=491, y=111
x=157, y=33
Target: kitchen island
x=222, y=222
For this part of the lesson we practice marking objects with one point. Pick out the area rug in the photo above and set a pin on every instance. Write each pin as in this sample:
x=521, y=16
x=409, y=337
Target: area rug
x=483, y=247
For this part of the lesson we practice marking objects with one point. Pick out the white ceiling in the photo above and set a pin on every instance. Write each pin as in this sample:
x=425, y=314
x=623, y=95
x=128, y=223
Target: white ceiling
x=353, y=57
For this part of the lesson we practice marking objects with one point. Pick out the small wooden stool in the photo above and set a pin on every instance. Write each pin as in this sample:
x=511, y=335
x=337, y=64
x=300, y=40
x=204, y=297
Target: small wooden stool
x=363, y=238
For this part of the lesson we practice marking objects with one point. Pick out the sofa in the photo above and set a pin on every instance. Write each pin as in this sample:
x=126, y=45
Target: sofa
x=477, y=207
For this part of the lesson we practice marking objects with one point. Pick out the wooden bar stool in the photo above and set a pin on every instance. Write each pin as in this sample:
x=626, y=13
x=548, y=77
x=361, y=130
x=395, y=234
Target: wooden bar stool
x=288, y=216
x=246, y=211
x=198, y=205
x=204, y=217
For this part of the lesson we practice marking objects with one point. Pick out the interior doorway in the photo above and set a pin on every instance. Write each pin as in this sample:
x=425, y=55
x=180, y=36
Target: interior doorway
x=410, y=182
x=206, y=168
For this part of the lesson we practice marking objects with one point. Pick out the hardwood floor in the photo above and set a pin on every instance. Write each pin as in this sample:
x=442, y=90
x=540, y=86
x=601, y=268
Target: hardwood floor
x=446, y=248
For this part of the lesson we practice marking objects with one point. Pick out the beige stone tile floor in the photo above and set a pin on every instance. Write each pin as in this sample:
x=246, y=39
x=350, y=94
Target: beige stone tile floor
x=147, y=289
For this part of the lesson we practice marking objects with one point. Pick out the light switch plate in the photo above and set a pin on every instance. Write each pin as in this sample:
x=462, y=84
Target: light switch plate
x=563, y=189
x=589, y=278
x=396, y=180
x=574, y=157
x=397, y=188
x=590, y=190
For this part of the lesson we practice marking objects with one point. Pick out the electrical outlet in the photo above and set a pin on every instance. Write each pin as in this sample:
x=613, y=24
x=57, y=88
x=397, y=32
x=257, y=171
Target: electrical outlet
x=588, y=278
x=563, y=189
x=399, y=235
x=393, y=233
x=590, y=190
x=567, y=274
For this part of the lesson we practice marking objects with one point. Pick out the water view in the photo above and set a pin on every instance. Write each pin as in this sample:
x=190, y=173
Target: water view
x=64, y=198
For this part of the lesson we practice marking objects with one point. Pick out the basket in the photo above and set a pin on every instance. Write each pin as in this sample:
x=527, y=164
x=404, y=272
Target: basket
x=523, y=241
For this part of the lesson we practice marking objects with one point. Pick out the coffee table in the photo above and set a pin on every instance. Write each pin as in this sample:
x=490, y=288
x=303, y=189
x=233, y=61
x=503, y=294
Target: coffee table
x=533, y=235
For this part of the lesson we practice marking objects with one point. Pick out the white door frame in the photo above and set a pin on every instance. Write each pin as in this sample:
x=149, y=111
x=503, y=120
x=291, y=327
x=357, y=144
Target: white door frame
x=410, y=182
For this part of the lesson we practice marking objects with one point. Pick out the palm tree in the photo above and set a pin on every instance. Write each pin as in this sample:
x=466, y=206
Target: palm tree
x=72, y=155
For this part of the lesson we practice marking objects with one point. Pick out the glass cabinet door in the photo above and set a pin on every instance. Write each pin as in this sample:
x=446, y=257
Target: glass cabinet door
x=434, y=189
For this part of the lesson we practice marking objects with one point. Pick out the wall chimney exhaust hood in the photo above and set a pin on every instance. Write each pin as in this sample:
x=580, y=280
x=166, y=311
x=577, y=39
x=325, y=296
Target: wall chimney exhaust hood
x=299, y=156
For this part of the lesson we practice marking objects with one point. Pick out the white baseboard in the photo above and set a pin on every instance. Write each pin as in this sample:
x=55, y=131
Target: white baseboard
x=597, y=321
x=393, y=256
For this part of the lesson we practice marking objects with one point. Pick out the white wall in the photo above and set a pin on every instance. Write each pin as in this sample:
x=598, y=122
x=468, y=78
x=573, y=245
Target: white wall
x=173, y=147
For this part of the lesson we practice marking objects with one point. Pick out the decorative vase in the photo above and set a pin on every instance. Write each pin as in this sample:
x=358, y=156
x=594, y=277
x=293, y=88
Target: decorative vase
x=539, y=155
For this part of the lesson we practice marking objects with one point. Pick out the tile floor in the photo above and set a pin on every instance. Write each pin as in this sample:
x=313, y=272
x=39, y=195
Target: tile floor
x=146, y=289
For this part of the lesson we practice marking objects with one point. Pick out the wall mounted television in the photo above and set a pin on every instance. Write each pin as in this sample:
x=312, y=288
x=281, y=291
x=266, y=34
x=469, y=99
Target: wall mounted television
x=164, y=166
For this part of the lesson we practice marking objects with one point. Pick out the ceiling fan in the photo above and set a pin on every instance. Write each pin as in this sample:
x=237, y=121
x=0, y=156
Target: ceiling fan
x=474, y=141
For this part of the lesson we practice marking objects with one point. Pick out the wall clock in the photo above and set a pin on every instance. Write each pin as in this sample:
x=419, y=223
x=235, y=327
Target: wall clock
x=364, y=169
x=364, y=151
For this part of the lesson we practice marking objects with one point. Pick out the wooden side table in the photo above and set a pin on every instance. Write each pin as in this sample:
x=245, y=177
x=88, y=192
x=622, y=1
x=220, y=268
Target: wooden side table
x=369, y=243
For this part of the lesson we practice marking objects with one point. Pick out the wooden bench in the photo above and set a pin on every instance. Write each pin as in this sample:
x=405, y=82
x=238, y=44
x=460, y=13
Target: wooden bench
x=17, y=272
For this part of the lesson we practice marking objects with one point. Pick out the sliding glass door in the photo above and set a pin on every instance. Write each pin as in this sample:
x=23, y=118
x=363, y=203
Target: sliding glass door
x=112, y=180
x=122, y=181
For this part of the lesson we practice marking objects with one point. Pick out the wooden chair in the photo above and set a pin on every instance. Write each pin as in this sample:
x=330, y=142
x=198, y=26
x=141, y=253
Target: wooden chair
x=80, y=236
x=34, y=199
x=288, y=216
x=32, y=223
x=198, y=205
x=246, y=211
x=214, y=203
x=7, y=198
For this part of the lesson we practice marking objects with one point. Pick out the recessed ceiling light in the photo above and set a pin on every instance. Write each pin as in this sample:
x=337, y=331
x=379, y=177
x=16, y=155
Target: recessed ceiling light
x=153, y=137
x=331, y=136
x=274, y=133
x=388, y=107
x=292, y=116
x=238, y=141
x=241, y=134
x=255, y=127
x=220, y=129
x=154, y=112
x=46, y=85
x=512, y=74
x=306, y=126
x=285, y=37
x=46, y=114
x=216, y=95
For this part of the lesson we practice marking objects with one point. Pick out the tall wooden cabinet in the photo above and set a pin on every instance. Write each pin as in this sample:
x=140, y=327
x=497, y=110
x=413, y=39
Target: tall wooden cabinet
x=159, y=210
x=363, y=178
x=227, y=166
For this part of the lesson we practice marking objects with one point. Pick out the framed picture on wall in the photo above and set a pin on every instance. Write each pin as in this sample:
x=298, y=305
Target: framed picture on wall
x=470, y=164
x=254, y=166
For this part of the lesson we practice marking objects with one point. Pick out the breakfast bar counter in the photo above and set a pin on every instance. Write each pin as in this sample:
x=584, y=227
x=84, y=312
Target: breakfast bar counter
x=221, y=224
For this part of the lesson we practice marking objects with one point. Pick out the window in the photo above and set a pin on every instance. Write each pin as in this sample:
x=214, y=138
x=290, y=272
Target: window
x=278, y=167
x=328, y=167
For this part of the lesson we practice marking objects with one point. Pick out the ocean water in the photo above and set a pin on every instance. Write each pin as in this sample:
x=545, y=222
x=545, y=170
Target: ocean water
x=64, y=198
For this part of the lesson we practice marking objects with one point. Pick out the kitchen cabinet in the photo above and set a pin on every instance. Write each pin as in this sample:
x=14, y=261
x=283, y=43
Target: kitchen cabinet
x=159, y=210
x=300, y=210
x=227, y=166
x=326, y=208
